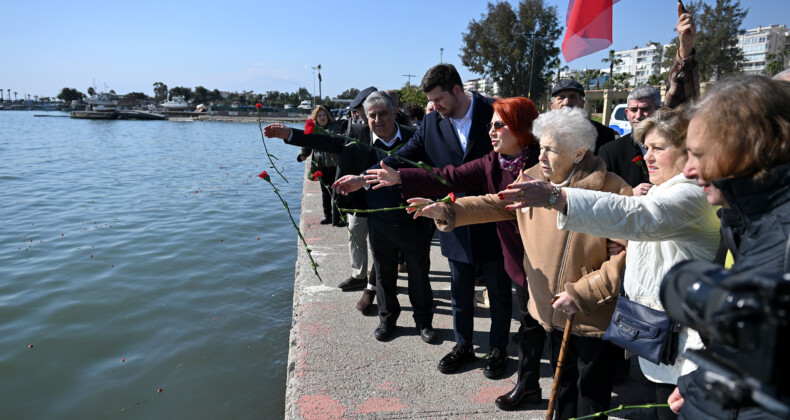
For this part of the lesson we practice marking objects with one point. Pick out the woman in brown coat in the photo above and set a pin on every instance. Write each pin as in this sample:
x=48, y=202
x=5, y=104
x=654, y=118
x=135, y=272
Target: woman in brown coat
x=572, y=267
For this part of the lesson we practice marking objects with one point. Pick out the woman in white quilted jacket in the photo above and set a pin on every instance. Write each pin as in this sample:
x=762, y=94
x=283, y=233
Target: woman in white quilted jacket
x=671, y=221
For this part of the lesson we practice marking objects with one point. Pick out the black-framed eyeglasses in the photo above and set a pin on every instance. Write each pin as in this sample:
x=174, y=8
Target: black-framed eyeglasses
x=498, y=126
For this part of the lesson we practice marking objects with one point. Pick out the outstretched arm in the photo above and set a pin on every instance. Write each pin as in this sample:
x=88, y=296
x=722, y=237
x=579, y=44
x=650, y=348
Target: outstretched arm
x=684, y=75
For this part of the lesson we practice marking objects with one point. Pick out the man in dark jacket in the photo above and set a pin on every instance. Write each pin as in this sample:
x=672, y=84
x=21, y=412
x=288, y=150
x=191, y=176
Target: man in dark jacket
x=455, y=134
x=571, y=93
x=390, y=231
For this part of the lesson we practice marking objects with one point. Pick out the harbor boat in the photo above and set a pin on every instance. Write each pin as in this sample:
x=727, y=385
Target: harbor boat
x=177, y=103
x=305, y=105
x=94, y=115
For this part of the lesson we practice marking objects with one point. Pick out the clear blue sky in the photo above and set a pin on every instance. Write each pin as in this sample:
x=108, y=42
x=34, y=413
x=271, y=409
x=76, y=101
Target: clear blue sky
x=270, y=44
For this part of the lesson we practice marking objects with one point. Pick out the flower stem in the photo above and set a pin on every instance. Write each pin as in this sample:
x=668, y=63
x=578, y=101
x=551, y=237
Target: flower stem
x=269, y=155
x=620, y=407
x=298, y=231
x=342, y=217
x=421, y=165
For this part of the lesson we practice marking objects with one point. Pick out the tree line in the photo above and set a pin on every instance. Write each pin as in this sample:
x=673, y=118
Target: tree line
x=516, y=47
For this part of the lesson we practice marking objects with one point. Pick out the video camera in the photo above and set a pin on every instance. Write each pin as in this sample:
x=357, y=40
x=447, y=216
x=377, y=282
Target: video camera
x=744, y=320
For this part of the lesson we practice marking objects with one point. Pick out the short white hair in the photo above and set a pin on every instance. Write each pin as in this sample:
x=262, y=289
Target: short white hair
x=567, y=126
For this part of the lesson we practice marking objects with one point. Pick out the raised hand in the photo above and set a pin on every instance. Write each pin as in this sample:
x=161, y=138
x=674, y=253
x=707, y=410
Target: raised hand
x=529, y=192
x=686, y=31
x=384, y=177
x=642, y=189
x=422, y=207
x=348, y=184
x=277, y=130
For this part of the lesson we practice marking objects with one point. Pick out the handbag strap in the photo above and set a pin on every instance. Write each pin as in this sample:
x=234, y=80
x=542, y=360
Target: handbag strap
x=787, y=256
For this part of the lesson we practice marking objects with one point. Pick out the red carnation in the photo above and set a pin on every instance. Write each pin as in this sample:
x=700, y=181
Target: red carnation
x=265, y=176
x=452, y=197
x=449, y=199
x=637, y=159
x=317, y=174
x=309, y=126
x=259, y=106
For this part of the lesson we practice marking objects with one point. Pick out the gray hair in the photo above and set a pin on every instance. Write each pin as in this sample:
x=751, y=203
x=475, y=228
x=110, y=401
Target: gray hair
x=567, y=126
x=644, y=92
x=379, y=98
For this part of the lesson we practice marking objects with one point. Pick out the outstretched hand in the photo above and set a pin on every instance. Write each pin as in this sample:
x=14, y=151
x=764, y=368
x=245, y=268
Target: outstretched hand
x=420, y=207
x=277, y=130
x=348, y=184
x=686, y=31
x=529, y=192
x=384, y=177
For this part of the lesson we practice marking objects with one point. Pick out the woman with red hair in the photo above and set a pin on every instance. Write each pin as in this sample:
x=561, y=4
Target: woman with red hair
x=515, y=150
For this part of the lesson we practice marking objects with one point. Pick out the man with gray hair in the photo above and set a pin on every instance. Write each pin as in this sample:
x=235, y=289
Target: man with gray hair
x=389, y=231
x=619, y=155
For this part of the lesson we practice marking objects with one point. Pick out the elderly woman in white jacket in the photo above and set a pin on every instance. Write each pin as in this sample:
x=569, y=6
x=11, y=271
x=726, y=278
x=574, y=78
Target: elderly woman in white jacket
x=672, y=222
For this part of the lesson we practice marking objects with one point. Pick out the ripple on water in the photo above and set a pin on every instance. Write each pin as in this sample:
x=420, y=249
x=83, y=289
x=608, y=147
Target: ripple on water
x=144, y=247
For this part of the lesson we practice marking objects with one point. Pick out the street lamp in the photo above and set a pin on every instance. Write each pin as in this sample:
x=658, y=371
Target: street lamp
x=319, y=84
x=441, y=55
x=534, y=36
x=314, y=68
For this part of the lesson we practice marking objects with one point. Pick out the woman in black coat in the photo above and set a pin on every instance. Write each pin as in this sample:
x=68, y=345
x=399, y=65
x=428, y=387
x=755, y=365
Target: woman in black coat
x=739, y=151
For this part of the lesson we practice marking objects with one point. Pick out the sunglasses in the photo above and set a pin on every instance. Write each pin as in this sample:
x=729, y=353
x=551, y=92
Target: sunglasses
x=498, y=126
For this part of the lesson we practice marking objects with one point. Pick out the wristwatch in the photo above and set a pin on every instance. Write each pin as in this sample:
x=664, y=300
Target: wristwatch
x=555, y=193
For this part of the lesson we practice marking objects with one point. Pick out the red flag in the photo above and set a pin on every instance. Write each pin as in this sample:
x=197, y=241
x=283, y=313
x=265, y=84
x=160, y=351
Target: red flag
x=589, y=27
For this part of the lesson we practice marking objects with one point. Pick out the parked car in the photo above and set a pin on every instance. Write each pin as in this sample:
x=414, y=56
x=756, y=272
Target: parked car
x=619, y=122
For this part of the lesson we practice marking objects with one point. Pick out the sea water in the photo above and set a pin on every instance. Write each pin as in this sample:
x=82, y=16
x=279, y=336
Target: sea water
x=139, y=256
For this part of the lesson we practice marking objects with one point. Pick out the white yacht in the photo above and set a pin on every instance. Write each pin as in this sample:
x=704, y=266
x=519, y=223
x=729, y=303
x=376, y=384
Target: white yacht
x=178, y=103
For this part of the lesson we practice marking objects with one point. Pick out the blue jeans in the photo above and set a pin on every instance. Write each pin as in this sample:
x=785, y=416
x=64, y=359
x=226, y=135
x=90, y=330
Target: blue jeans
x=462, y=291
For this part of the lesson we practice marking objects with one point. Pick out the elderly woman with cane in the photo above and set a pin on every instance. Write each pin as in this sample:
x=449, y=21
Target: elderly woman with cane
x=568, y=273
x=673, y=222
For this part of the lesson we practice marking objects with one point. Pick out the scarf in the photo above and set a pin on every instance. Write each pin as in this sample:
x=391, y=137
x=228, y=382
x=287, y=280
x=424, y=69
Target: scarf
x=514, y=165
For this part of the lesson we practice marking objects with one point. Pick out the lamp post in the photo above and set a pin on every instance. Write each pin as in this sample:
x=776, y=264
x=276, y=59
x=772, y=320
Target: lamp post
x=314, y=68
x=319, y=84
x=534, y=36
x=441, y=55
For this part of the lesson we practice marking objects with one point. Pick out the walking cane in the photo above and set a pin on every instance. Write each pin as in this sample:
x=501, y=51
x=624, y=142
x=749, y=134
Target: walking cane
x=566, y=335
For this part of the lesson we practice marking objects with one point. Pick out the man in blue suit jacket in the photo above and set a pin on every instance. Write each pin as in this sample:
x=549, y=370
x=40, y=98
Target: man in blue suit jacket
x=453, y=135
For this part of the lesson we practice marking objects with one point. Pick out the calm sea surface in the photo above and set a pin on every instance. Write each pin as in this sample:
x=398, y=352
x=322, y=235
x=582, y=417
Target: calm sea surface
x=151, y=242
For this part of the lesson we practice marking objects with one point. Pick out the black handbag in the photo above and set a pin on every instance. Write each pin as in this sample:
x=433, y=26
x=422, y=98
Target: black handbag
x=646, y=332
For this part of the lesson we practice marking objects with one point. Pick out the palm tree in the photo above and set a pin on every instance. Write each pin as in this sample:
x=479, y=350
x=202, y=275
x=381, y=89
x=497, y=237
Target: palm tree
x=613, y=61
x=14, y=96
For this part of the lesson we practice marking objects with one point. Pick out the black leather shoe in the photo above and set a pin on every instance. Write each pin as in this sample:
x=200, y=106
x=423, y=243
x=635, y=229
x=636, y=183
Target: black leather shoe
x=352, y=283
x=458, y=357
x=427, y=333
x=384, y=331
x=495, y=363
x=366, y=300
x=326, y=220
x=517, y=395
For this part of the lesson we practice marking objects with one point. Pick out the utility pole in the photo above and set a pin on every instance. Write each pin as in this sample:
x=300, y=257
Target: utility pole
x=319, y=84
x=441, y=55
x=314, y=68
x=534, y=36
x=408, y=82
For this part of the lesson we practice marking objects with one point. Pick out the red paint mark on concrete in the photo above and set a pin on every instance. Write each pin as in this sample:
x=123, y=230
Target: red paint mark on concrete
x=381, y=405
x=387, y=386
x=489, y=393
x=313, y=240
x=320, y=407
x=316, y=328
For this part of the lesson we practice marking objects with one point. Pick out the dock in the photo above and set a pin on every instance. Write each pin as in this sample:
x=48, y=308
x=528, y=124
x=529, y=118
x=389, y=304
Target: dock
x=337, y=370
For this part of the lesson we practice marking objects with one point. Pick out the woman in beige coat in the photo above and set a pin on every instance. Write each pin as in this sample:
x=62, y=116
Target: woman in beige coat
x=572, y=269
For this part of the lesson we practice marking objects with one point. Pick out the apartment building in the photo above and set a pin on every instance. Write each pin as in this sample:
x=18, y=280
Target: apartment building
x=486, y=86
x=640, y=62
x=759, y=42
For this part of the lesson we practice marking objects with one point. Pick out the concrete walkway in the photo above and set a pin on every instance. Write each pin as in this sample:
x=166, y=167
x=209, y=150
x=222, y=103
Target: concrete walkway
x=336, y=369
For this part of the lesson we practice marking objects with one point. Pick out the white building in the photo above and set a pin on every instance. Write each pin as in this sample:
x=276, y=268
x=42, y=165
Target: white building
x=757, y=43
x=640, y=63
x=486, y=86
